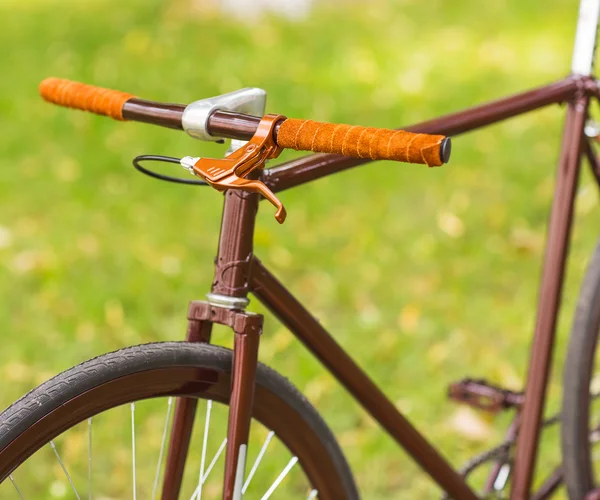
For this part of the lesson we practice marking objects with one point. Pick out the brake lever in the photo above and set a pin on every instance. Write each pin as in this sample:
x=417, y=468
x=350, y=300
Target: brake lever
x=231, y=172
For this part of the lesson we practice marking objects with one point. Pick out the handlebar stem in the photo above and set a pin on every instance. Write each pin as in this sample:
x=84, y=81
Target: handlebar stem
x=195, y=119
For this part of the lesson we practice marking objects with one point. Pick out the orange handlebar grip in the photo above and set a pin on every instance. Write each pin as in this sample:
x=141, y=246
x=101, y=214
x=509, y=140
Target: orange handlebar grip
x=85, y=97
x=364, y=142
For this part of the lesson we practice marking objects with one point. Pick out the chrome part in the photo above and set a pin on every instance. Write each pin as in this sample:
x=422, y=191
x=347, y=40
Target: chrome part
x=210, y=468
x=218, y=300
x=62, y=466
x=214, y=460
x=162, y=448
x=234, y=145
x=204, y=443
x=239, y=474
x=585, y=38
x=188, y=163
x=502, y=477
x=280, y=478
x=12, y=480
x=90, y=490
x=133, y=462
x=257, y=461
x=250, y=100
x=592, y=129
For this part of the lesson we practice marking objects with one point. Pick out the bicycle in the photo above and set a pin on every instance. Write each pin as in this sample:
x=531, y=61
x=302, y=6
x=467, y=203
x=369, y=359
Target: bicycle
x=196, y=370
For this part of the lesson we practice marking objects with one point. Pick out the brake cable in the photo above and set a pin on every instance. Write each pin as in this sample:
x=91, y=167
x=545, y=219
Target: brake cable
x=162, y=177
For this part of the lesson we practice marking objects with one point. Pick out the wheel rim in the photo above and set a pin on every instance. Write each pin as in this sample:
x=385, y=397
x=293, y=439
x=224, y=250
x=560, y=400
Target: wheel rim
x=187, y=381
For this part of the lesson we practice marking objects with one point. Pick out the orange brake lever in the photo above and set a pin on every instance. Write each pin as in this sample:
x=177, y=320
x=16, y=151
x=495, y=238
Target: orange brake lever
x=230, y=172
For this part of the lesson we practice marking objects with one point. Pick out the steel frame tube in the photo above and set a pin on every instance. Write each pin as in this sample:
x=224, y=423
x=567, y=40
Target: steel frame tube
x=183, y=423
x=592, y=160
x=559, y=230
x=322, y=345
x=245, y=359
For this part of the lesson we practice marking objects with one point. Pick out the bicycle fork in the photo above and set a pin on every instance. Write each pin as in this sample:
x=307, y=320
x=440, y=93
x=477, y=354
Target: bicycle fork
x=225, y=306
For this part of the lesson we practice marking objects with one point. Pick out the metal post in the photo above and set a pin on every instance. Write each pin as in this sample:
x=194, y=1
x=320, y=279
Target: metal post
x=559, y=229
x=585, y=37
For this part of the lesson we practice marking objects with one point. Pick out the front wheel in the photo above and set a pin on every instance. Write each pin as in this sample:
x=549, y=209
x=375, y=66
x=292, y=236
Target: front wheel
x=99, y=430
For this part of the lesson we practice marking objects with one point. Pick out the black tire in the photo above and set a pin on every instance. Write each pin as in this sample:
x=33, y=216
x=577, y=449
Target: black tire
x=66, y=389
x=578, y=371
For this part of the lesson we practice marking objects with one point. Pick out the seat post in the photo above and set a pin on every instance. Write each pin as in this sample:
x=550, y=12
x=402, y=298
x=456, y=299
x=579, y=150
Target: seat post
x=585, y=37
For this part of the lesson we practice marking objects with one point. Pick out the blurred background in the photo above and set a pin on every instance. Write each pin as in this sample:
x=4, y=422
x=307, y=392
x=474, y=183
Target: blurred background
x=425, y=276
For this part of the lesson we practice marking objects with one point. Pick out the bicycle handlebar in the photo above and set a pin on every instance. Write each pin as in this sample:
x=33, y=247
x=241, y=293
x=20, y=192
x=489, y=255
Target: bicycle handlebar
x=304, y=135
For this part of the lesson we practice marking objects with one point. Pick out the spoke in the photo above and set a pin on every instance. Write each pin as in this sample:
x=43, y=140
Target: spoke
x=312, y=495
x=162, y=447
x=280, y=478
x=12, y=480
x=204, y=443
x=214, y=460
x=90, y=458
x=257, y=461
x=133, y=447
x=64, y=469
x=210, y=467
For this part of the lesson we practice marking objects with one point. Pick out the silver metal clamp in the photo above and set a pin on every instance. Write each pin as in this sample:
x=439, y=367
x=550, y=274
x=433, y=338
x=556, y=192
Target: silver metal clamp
x=227, y=302
x=195, y=116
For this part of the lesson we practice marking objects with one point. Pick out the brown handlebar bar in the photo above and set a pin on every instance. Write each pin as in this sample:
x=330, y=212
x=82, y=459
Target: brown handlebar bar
x=305, y=135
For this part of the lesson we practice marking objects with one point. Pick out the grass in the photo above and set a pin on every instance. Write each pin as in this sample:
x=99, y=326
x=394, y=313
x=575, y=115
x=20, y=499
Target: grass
x=425, y=276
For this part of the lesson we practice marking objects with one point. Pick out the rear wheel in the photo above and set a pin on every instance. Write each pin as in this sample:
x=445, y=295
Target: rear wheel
x=581, y=382
x=99, y=430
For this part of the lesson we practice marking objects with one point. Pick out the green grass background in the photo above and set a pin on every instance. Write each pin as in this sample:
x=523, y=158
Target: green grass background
x=425, y=276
